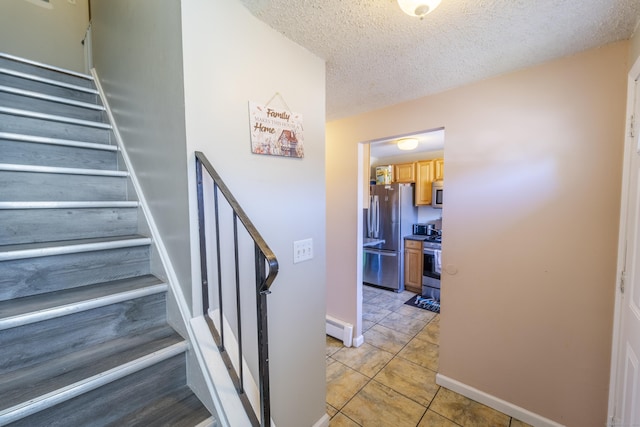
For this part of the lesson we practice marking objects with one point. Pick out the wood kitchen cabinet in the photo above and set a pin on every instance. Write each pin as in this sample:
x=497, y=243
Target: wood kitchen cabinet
x=438, y=166
x=413, y=265
x=425, y=174
x=404, y=173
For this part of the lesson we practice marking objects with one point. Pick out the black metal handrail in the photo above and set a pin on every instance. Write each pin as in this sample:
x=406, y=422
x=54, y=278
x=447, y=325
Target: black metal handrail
x=266, y=269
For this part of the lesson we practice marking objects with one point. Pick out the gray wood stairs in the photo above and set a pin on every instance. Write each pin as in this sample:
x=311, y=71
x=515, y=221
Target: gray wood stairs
x=84, y=339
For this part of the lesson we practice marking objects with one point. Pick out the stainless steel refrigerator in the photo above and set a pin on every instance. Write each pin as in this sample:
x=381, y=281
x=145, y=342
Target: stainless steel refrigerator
x=390, y=217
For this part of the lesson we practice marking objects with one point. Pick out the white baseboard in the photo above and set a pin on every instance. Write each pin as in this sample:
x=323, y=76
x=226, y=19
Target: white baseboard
x=358, y=341
x=323, y=422
x=340, y=330
x=250, y=385
x=229, y=407
x=495, y=402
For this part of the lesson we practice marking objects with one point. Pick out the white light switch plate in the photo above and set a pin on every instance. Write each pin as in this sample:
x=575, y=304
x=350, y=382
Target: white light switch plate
x=302, y=250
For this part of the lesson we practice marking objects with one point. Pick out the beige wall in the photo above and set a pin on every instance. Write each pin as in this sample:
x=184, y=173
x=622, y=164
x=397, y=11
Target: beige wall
x=50, y=33
x=231, y=58
x=533, y=171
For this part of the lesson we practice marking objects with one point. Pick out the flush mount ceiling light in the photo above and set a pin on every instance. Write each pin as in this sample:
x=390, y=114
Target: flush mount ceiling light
x=407, y=144
x=418, y=8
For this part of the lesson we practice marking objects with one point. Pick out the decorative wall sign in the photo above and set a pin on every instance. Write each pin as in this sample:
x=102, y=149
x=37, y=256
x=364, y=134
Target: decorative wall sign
x=275, y=131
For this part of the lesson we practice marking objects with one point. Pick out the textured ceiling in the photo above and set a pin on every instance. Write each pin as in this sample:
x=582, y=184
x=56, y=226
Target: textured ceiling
x=377, y=56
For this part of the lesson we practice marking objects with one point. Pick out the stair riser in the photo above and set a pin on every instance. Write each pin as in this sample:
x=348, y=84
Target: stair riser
x=29, y=153
x=44, y=72
x=40, y=342
x=52, y=129
x=35, y=86
x=32, y=186
x=32, y=276
x=117, y=399
x=49, y=107
x=43, y=225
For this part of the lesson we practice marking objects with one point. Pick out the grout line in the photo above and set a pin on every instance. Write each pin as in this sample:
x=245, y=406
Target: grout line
x=394, y=355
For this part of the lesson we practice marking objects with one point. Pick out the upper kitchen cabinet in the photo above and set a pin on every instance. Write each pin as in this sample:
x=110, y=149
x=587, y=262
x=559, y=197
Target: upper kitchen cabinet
x=404, y=173
x=425, y=174
x=438, y=165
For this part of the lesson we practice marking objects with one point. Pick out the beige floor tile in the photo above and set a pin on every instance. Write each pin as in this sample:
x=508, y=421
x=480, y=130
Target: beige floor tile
x=421, y=353
x=374, y=313
x=390, y=302
x=518, y=423
x=403, y=296
x=367, y=324
x=342, y=384
x=379, y=406
x=368, y=292
x=410, y=380
x=387, y=339
x=366, y=359
x=431, y=419
x=416, y=313
x=333, y=345
x=340, y=420
x=331, y=411
x=467, y=412
x=403, y=324
x=400, y=391
x=431, y=332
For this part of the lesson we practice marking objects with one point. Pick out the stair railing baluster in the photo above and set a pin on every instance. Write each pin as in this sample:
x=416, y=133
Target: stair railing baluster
x=238, y=313
x=266, y=269
x=263, y=357
x=203, y=240
x=220, y=302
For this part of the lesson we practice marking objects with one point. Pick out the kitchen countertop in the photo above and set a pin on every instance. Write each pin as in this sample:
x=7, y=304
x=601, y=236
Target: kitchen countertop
x=368, y=241
x=415, y=237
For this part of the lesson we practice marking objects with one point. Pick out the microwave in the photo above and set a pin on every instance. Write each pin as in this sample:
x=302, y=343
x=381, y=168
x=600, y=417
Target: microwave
x=437, y=196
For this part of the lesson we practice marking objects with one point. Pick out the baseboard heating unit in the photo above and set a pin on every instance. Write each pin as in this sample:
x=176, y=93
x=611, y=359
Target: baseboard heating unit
x=340, y=330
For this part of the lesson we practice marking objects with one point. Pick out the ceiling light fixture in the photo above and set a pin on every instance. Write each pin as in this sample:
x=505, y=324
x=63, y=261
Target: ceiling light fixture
x=418, y=8
x=407, y=144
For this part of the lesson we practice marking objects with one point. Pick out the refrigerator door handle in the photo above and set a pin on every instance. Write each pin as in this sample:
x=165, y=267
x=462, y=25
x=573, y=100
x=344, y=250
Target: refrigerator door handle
x=369, y=214
x=376, y=220
x=379, y=252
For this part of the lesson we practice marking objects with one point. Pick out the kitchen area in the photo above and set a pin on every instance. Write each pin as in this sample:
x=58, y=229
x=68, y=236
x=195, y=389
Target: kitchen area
x=402, y=218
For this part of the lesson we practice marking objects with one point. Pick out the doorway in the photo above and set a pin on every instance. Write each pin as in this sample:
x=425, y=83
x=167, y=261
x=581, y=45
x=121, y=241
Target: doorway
x=385, y=151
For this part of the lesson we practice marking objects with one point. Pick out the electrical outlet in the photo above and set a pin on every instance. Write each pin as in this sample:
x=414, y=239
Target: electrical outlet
x=302, y=250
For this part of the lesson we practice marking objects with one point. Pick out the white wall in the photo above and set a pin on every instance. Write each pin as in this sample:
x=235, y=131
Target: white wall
x=231, y=58
x=45, y=32
x=137, y=49
x=533, y=172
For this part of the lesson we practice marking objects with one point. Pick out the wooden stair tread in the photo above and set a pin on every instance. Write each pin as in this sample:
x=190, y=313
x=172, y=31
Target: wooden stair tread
x=38, y=307
x=34, y=381
x=69, y=246
x=180, y=408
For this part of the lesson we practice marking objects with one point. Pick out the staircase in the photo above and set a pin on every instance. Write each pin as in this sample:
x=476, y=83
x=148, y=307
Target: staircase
x=84, y=338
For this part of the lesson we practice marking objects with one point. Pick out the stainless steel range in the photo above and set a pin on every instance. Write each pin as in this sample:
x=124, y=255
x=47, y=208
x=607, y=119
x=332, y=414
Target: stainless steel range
x=431, y=267
x=431, y=263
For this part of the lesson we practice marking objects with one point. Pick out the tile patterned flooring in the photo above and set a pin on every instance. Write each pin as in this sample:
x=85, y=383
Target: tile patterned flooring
x=390, y=379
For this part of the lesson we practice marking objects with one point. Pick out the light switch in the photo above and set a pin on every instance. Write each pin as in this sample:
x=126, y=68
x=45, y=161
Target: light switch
x=302, y=250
